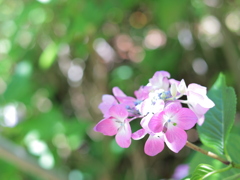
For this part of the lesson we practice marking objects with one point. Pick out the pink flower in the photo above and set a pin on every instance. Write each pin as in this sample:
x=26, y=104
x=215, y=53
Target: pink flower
x=127, y=101
x=172, y=121
x=142, y=92
x=123, y=98
x=160, y=80
x=155, y=141
x=159, y=105
x=107, y=102
x=198, y=101
x=117, y=124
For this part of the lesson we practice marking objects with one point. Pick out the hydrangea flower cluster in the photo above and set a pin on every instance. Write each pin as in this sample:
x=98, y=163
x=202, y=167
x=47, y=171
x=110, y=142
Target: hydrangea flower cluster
x=159, y=105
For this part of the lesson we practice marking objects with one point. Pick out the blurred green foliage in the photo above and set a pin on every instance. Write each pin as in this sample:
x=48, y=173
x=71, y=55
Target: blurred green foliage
x=58, y=57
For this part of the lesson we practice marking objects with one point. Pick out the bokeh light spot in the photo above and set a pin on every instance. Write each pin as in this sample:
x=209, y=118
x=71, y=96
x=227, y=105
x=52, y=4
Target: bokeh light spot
x=233, y=21
x=5, y=46
x=124, y=72
x=104, y=50
x=75, y=73
x=37, y=16
x=185, y=38
x=9, y=28
x=210, y=25
x=44, y=1
x=24, y=38
x=138, y=20
x=200, y=66
x=154, y=39
x=10, y=116
x=23, y=68
x=75, y=175
x=46, y=160
x=37, y=147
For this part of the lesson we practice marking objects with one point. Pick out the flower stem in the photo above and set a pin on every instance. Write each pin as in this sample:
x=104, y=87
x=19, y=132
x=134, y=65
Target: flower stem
x=208, y=153
x=236, y=165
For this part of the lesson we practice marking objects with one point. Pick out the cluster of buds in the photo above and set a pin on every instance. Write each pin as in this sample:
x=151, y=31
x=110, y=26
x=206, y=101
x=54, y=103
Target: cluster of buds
x=159, y=106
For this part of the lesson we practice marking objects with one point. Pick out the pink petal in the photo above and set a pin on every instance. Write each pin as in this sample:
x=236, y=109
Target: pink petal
x=160, y=80
x=117, y=92
x=108, y=102
x=201, y=120
x=123, y=136
x=139, y=134
x=156, y=122
x=108, y=127
x=162, y=74
x=202, y=100
x=197, y=89
x=145, y=121
x=126, y=100
x=172, y=108
x=198, y=109
x=185, y=118
x=153, y=145
x=175, y=138
x=200, y=112
x=109, y=98
x=119, y=112
x=142, y=92
x=159, y=106
x=174, y=81
x=165, y=83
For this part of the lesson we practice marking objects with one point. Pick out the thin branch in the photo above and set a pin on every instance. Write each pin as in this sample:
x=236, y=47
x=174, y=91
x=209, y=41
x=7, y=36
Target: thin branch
x=208, y=153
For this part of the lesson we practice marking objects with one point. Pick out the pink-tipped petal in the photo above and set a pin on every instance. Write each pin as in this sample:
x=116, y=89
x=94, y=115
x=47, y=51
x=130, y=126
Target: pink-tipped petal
x=123, y=136
x=165, y=83
x=119, y=112
x=109, y=98
x=153, y=145
x=174, y=81
x=156, y=122
x=175, y=138
x=160, y=80
x=127, y=101
x=117, y=92
x=185, y=118
x=201, y=120
x=107, y=102
x=145, y=121
x=139, y=134
x=108, y=127
x=142, y=92
x=197, y=89
x=202, y=100
x=172, y=108
x=162, y=74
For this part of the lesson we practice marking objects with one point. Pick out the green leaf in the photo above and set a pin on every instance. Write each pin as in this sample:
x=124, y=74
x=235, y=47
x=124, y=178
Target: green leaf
x=233, y=147
x=198, y=158
x=233, y=177
x=48, y=56
x=201, y=171
x=219, y=120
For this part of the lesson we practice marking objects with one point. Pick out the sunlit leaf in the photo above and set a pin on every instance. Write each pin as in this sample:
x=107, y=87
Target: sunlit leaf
x=48, y=56
x=233, y=147
x=201, y=171
x=219, y=119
